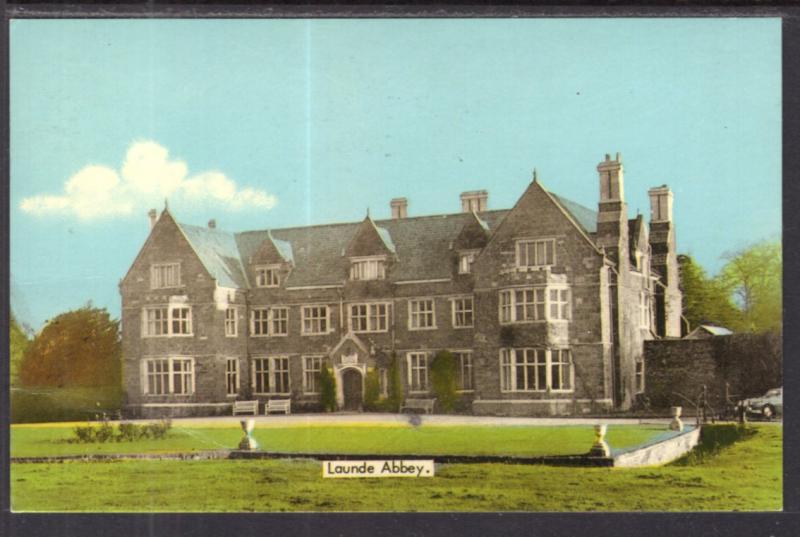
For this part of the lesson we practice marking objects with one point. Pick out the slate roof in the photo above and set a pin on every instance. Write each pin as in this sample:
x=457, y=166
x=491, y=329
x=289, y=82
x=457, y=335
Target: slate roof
x=423, y=246
x=716, y=330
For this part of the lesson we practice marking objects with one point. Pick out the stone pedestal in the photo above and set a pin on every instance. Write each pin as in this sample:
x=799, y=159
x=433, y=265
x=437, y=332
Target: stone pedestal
x=600, y=447
x=248, y=443
x=676, y=424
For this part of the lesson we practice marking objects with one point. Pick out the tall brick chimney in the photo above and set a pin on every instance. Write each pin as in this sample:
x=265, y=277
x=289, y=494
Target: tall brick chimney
x=153, y=217
x=612, y=216
x=665, y=261
x=399, y=208
x=474, y=201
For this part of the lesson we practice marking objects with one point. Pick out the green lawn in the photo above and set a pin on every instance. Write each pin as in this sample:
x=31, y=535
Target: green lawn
x=745, y=475
x=434, y=440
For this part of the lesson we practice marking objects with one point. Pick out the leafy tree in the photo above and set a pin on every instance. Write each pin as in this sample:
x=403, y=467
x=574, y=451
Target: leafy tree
x=753, y=277
x=327, y=389
x=395, y=385
x=444, y=380
x=372, y=390
x=77, y=348
x=18, y=343
x=705, y=300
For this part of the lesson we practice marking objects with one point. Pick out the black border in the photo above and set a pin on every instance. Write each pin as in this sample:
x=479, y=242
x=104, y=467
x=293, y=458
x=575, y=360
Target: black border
x=417, y=524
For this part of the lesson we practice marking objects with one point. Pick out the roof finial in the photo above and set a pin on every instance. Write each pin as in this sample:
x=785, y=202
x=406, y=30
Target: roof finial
x=535, y=175
x=367, y=211
x=166, y=204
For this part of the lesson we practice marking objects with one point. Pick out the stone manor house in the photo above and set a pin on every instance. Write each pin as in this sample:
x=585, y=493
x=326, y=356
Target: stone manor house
x=545, y=306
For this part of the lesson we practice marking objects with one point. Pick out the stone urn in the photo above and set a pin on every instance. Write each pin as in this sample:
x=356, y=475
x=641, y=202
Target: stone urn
x=676, y=424
x=600, y=447
x=248, y=443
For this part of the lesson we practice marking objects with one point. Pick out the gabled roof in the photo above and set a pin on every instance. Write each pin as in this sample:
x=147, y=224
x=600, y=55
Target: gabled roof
x=219, y=254
x=284, y=248
x=586, y=217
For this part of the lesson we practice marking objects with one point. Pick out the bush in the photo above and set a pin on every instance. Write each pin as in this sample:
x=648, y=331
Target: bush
x=327, y=389
x=129, y=432
x=395, y=386
x=444, y=380
x=372, y=390
x=35, y=405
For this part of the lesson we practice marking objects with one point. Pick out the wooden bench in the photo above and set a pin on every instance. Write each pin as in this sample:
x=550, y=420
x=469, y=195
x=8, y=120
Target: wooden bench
x=425, y=405
x=278, y=405
x=245, y=407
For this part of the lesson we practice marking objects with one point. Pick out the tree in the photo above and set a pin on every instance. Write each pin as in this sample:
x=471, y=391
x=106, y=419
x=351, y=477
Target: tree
x=327, y=389
x=18, y=343
x=444, y=381
x=753, y=277
x=705, y=300
x=77, y=348
x=372, y=390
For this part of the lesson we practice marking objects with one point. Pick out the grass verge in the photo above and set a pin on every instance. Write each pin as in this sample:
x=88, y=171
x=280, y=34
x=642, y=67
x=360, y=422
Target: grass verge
x=744, y=476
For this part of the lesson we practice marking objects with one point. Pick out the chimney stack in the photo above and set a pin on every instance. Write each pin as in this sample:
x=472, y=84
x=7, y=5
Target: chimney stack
x=474, y=201
x=153, y=217
x=611, y=179
x=212, y=224
x=399, y=208
x=660, y=204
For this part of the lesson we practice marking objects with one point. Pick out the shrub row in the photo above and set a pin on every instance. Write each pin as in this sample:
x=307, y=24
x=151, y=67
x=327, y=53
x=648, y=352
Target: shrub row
x=125, y=432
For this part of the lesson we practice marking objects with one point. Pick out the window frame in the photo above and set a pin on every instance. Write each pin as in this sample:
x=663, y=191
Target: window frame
x=509, y=369
x=232, y=373
x=466, y=258
x=154, y=267
x=270, y=321
x=168, y=375
x=369, y=316
x=271, y=273
x=463, y=365
x=326, y=319
x=645, y=302
x=420, y=313
x=525, y=243
x=639, y=385
x=374, y=268
x=415, y=370
x=455, y=311
x=270, y=373
x=319, y=361
x=234, y=322
x=167, y=321
x=542, y=309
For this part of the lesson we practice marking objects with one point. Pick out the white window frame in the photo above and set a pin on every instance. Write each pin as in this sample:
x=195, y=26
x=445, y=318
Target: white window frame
x=541, y=360
x=174, y=366
x=523, y=253
x=456, y=311
x=270, y=373
x=170, y=321
x=559, y=309
x=639, y=376
x=232, y=376
x=270, y=321
x=541, y=304
x=157, y=273
x=644, y=309
x=416, y=314
x=372, y=317
x=268, y=276
x=368, y=268
x=417, y=372
x=466, y=370
x=465, y=260
x=307, y=318
x=231, y=322
x=311, y=383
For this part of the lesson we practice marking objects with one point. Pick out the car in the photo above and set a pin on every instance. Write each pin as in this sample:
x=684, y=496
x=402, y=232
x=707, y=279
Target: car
x=767, y=406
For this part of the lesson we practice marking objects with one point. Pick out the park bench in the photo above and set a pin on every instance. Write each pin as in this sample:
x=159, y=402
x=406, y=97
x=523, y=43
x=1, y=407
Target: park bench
x=278, y=405
x=425, y=405
x=245, y=407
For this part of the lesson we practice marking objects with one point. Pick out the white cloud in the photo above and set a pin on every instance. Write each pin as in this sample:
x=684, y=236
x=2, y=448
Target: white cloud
x=146, y=178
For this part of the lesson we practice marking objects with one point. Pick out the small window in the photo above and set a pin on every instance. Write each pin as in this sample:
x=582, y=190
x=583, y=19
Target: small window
x=164, y=376
x=231, y=322
x=269, y=321
x=465, y=260
x=417, y=372
x=535, y=370
x=315, y=320
x=267, y=277
x=639, y=376
x=271, y=375
x=368, y=269
x=371, y=317
x=464, y=364
x=559, y=304
x=312, y=367
x=644, y=309
x=536, y=253
x=462, y=312
x=421, y=314
x=167, y=321
x=165, y=275
x=232, y=376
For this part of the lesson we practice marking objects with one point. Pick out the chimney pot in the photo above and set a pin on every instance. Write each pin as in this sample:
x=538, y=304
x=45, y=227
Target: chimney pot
x=153, y=217
x=474, y=201
x=399, y=208
x=212, y=224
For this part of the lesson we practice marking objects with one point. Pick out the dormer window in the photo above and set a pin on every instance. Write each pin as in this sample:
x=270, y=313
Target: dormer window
x=465, y=260
x=268, y=276
x=165, y=275
x=368, y=268
x=536, y=253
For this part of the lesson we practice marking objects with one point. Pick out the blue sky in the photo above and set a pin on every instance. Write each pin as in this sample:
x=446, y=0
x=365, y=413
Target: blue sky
x=276, y=123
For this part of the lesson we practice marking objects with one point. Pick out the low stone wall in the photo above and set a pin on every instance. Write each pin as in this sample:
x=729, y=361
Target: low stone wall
x=540, y=408
x=660, y=451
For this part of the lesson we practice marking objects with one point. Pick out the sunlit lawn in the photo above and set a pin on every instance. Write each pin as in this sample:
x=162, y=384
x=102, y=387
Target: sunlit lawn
x=743, y=476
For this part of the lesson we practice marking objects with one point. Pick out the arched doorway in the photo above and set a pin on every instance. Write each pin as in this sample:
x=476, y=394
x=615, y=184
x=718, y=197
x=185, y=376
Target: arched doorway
x=352, y=388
